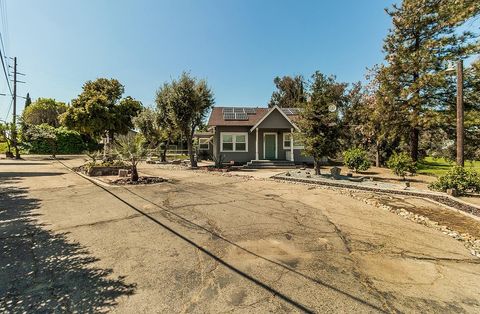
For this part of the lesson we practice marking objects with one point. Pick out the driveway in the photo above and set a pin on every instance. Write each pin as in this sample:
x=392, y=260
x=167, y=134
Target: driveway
x=210, y=243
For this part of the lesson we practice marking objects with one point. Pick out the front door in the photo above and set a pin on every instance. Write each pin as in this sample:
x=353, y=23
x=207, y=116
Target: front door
x=270, y=146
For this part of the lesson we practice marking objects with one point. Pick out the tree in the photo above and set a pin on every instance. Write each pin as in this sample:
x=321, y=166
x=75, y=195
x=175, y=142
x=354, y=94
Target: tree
x=5, y=136
x=45, y=133
x=28, y=101
x=43, y=111
x=319, y=125
x=290, y=92
x=131, y=150
x=188, y=102
x=168, y=129
x=147, y=123
x=426, y=35
x=100, y=110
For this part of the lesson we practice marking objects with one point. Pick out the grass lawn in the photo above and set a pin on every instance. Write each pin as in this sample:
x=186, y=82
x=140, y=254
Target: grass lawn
x=439, y=166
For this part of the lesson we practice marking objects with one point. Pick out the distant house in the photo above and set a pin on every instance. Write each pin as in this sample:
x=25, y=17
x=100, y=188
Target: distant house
x=253, y=135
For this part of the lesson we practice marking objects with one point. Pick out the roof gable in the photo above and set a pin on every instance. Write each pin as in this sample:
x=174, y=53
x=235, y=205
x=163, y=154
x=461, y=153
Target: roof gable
x=275, y=118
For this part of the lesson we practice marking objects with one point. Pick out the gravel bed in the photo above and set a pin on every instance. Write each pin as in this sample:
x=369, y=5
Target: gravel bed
x=441, y=198
x=469, y=241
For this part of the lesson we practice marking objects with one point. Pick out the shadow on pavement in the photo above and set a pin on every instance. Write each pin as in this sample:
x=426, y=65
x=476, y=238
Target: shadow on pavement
x=40, y=271
x=18, y=174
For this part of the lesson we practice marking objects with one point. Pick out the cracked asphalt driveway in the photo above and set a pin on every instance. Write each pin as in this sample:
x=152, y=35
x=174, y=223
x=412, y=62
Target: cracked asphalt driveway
x=208, y=243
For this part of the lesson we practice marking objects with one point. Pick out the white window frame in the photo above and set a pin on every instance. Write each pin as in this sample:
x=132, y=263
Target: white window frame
x=234, y=134
x=206, y=140
x=292, y=141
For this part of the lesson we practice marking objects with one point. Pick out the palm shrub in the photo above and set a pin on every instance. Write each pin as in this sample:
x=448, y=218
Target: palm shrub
x=129, y=149
x=356, y=159
x=462, y=179
x=401, y=164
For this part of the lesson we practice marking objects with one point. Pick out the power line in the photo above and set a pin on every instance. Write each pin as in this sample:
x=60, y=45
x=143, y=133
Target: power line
x=3, y=52
x=5, y=72
x=9, y=108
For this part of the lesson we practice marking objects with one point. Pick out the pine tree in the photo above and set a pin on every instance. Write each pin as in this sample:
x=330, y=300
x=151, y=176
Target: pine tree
x=319, y=124
x=425, y=37
x=290, y=92
x=28, y=100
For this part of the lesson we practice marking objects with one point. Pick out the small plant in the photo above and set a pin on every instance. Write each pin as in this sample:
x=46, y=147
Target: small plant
x=401, y=164
x=94, y=156
x=462, y=179
x=356, y=159
x=130, y=149
x=218, y=160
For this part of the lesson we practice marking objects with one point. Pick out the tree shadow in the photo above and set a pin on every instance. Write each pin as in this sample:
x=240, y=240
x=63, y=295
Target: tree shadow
x=18, y=174
x=41, y=271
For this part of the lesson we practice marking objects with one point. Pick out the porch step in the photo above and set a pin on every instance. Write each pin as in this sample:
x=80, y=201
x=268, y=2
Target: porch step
x=270, y=164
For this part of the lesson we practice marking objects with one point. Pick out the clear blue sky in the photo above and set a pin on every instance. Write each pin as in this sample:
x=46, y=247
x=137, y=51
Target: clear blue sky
x=239, y=46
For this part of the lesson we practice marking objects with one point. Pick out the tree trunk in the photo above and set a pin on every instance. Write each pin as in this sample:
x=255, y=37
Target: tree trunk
x=191, y=153
x=414, y=138
x=377, y=154
x=317, y=166
x=193, y=160
x=134, y=174
x=163, y=157
x=107, y=147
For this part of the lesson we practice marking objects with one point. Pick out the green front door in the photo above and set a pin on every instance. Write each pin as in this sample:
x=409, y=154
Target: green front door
x=270, y=146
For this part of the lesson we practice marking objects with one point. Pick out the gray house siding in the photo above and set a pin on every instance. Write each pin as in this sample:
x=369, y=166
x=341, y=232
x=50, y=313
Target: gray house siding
x=238, y=157
x=275, y=120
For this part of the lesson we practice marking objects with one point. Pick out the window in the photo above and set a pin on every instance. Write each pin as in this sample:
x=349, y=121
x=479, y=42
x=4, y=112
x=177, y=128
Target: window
x=287, y=141
x=234, y=142
x=203, y=144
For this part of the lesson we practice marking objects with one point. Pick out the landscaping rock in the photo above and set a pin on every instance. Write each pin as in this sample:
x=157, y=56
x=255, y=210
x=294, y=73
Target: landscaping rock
x=122, y=173
x=335, y=172
x=452, y=192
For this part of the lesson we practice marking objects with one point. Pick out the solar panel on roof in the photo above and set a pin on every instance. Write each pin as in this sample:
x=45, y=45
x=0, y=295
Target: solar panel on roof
x=241, y=116
x=238, y=110
x=228, y=110
x=228, y=116
x=250, y=110
x=290, y=111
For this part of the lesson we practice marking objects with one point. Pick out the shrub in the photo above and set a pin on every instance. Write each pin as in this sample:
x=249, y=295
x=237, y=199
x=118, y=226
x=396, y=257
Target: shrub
x=401, y=164
x=356, y=159
x=45, y=139
x=462, y=179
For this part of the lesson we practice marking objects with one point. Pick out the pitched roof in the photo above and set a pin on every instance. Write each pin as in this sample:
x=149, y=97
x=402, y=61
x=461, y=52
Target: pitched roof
x=217, y=117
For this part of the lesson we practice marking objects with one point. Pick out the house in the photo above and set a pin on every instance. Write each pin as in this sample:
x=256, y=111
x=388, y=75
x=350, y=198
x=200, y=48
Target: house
x=255, y=135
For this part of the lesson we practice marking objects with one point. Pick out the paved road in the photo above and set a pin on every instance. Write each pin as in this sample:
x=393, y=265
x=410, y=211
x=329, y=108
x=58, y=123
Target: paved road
x=210, y=243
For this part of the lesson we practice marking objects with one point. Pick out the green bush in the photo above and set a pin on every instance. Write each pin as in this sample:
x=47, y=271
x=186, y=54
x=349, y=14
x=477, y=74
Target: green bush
x=401, y=164
x=356, y=159
x=462, y=179
x=41, y=139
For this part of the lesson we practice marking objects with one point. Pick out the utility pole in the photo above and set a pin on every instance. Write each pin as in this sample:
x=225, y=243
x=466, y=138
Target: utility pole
x=14, y=118
x=14, y=128
x=460, y=113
